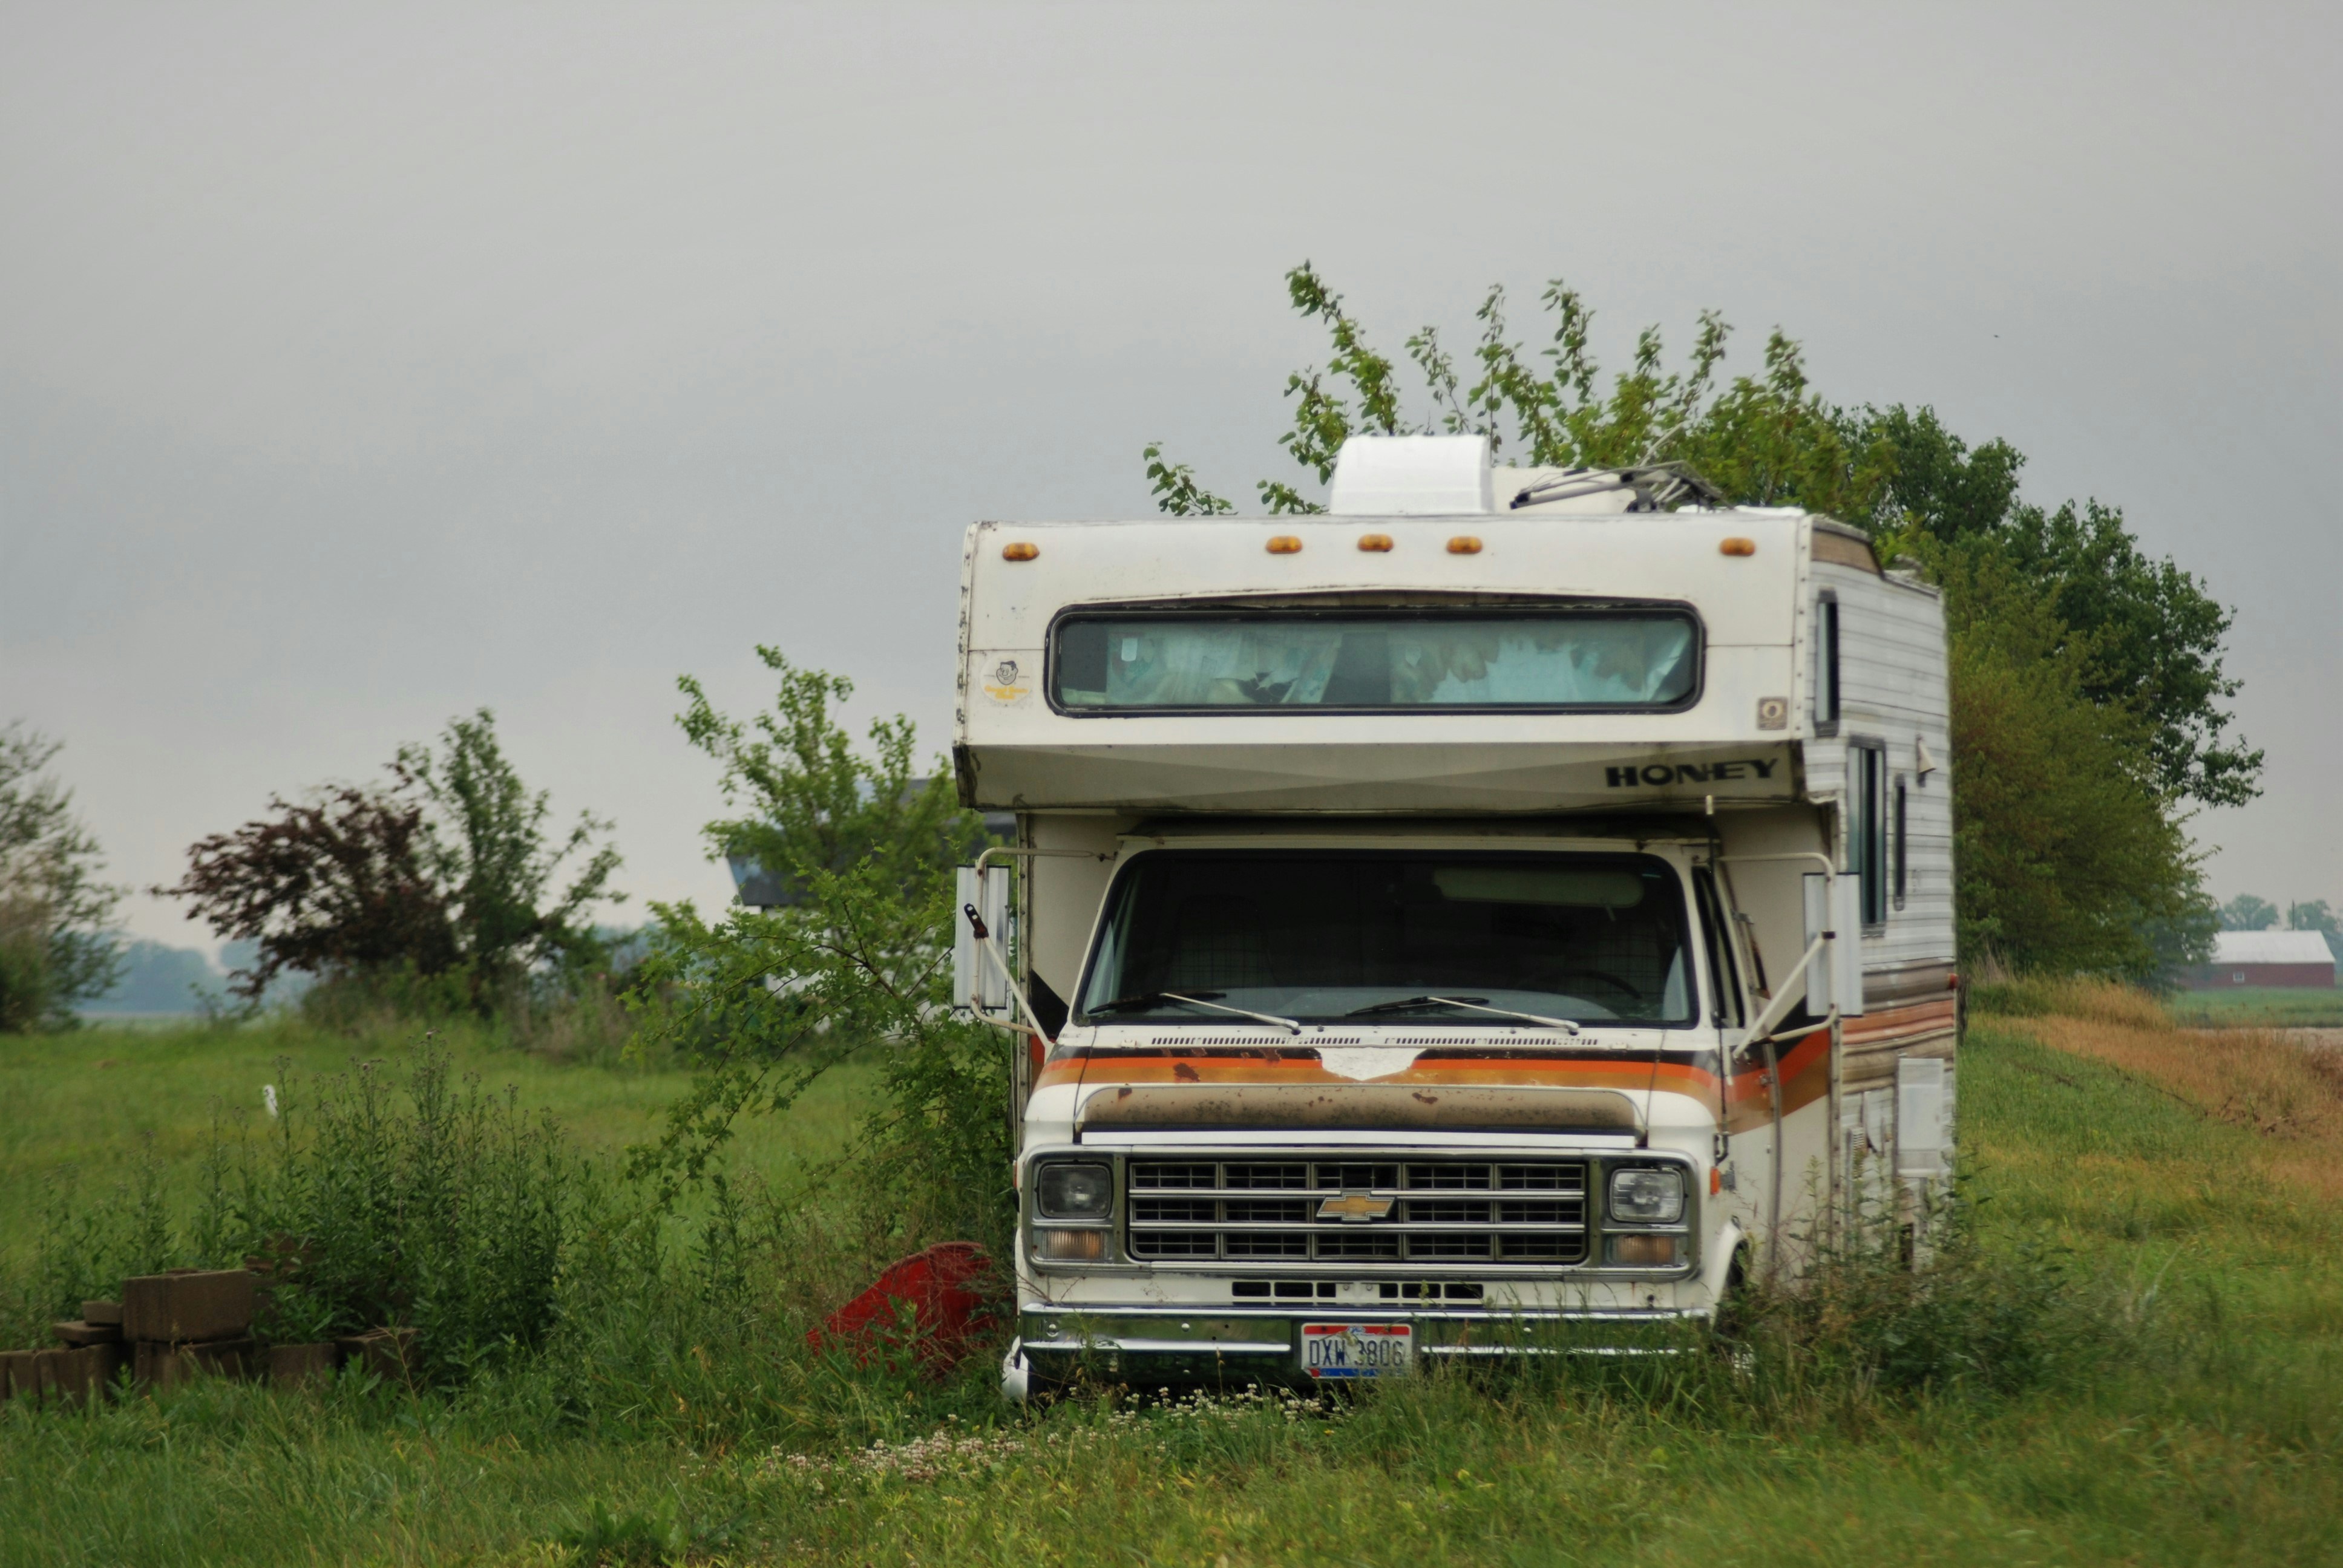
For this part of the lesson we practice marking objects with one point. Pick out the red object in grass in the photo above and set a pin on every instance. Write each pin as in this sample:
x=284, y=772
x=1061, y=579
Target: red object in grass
x=948, y=1315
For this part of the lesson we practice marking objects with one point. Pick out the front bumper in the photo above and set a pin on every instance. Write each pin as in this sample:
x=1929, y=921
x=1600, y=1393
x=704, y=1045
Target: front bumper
x=1150, y=1347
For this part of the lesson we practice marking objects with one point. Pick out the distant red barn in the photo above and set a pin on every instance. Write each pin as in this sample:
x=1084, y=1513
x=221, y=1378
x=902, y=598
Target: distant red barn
x=2296, y=959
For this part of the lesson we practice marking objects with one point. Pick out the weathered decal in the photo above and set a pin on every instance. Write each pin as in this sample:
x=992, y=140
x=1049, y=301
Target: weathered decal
x=1661, y=775
x=1005, y=685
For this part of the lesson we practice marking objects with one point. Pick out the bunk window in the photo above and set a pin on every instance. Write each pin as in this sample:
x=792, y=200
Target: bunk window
x=1827, y=685
x=1558, y=660
x=1866, y=847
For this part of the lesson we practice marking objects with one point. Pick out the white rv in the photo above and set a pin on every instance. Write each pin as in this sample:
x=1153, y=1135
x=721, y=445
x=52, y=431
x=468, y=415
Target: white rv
x=1497, y=905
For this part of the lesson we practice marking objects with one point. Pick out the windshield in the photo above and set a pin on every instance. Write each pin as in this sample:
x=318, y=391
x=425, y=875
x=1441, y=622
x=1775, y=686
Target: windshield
x=1403, y=937
x=1553, y=659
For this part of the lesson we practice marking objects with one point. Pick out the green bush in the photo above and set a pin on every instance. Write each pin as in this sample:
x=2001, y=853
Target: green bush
x=428, y=1204
x=859, y=961
x=1970, y=1322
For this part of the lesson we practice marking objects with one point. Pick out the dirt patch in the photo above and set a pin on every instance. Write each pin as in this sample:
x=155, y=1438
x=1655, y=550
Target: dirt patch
x=2320, y=1039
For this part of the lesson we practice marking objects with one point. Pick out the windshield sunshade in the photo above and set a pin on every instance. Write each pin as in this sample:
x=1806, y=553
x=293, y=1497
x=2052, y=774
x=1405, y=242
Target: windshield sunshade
x=1398, y=937
x=1550, y=660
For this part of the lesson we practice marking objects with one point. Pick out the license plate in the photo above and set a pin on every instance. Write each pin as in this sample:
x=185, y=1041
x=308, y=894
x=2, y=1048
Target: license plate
x=1357, y=1350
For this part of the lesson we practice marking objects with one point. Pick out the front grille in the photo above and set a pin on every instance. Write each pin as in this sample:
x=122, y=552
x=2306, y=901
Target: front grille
x=1460, y=1212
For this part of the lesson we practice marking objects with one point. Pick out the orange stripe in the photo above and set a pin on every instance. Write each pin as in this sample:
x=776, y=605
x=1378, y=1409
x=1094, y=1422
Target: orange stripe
x=1748, y=1102
x=1569, y=1073
x=1805, y=1077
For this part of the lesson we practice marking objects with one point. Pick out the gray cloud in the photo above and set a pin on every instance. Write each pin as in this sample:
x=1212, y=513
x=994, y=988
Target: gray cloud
x=356, y=369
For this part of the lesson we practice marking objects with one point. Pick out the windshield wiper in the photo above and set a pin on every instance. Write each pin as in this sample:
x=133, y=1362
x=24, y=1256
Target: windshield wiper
x=1153, y=998
x=1409, y=1003
x=1469, y=1004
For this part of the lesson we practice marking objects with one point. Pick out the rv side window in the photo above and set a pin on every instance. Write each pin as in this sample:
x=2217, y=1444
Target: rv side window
x=1826, y=691
x=1902, y=844
x=1866, y=845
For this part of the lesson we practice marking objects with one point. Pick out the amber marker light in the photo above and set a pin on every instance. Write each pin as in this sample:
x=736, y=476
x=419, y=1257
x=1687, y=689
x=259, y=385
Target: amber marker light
x=1374, y=543
x=1463, y=545
x=1070, y=1246
x=1020, y=551
x=1284, y=545
x=1738, y=547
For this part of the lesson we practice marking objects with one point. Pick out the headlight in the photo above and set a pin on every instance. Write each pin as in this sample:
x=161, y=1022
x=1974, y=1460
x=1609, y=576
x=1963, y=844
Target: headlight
x=1074, y=1193
x=1646, y=1197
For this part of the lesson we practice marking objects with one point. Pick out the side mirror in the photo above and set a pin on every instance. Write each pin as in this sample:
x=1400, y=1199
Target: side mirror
x=1820, y=982
x=979, y=984
x=1835, y=904
x=1846, y=947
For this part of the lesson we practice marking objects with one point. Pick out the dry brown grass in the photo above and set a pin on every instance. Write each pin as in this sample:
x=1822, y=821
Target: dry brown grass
x=2289, y=1095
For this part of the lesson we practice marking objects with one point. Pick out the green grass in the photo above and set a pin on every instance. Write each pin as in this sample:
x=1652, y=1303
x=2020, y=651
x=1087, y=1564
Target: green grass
x=2207, y=1432
x=86, y=1106
x=2268, y=1006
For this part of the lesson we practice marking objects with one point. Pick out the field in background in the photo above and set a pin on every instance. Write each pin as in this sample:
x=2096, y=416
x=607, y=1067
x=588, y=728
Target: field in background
x=85, y=1107
x=2177, y=1183
x=2264, y=1007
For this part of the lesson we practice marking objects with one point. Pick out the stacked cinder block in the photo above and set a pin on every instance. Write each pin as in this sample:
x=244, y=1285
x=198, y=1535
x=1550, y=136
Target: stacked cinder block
x=89, y=1355
x=188, y=1322
x=171, y=1327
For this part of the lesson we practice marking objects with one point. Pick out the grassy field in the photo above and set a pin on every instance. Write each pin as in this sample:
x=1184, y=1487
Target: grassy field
x=2259, y=1007
x=89, y=1106
x=2191, y=1415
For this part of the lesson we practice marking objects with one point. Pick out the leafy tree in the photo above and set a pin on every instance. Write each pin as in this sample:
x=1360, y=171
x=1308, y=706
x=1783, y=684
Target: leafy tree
x=490, y=847
x=2147, y=636
x=815, y=801
x=444, y=873
x=1768, y=441
x=768, y=1000
x=60, y=944
x=2135, y=644
x=2248, y=913
x=1933, y=481
x=2068, y=859
x=337, y=885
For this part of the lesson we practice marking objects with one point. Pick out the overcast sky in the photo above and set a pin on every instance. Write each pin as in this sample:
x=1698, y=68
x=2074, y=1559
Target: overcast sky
x=358, y=368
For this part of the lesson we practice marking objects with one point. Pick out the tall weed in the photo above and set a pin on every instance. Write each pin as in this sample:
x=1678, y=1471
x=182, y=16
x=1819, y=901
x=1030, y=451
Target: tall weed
x=427, y=1202
x=86, y=1246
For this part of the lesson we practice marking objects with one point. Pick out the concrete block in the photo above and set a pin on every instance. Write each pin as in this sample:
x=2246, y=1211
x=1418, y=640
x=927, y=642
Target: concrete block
x=53, y=1372
x=17, y=1378
x=161, y=1366
x=83, y=1333
x=289, y=1366
x=102, y=1313
x=154, y=1365
x=78, y=1375
x=388, y=1354
x=185, y=1306
x=224, y=1358
x=105, y=1363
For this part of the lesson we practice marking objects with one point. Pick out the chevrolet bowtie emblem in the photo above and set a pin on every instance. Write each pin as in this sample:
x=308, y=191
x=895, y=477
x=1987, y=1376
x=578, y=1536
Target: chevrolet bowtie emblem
x=1355, y=1208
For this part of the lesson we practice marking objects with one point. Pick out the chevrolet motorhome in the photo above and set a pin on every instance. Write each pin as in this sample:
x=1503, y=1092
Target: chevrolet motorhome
x=1500, y=905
